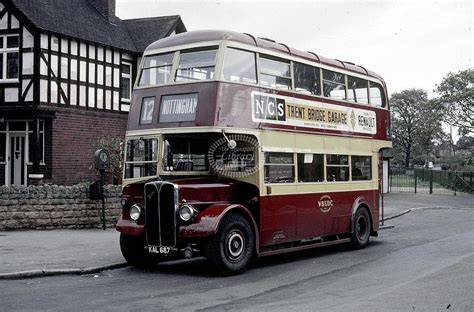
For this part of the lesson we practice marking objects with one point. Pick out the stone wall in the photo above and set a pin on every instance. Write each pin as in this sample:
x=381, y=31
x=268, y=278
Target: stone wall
x=52, y=207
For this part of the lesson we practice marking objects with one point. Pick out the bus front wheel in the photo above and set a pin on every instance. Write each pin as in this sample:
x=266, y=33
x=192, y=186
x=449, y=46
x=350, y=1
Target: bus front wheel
x=361, y=229
x=232, y=248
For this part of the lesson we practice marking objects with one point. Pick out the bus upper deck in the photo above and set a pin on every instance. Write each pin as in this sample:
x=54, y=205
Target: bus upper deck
x=228, y=79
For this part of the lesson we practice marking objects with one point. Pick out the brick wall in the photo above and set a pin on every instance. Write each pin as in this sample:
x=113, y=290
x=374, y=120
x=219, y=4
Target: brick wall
x=74, y=133
x=50, y=207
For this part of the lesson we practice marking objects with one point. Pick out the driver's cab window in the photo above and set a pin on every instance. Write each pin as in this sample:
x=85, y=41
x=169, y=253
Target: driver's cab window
x=185, y=154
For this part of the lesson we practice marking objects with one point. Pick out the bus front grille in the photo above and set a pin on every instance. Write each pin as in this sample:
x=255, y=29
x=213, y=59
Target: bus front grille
x=160, y=214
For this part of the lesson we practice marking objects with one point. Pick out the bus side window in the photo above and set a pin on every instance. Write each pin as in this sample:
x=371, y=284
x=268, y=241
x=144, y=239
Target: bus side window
x=275, y=73
x=310, y=168
x=377, y=97
x=361, y=168
x=334, y=85
x=337, y=168
x=279, y=168
x=239, y=66
x=307, y=79
x=358, y=90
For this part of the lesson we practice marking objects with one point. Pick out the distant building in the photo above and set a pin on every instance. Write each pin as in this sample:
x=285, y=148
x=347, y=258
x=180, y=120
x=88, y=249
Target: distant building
x=66, y=73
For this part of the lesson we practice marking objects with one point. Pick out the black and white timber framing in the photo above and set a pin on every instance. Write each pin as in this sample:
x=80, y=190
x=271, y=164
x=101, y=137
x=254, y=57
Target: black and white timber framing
x=73, y=54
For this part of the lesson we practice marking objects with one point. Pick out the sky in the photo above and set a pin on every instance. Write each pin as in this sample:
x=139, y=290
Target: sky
x=411, y=44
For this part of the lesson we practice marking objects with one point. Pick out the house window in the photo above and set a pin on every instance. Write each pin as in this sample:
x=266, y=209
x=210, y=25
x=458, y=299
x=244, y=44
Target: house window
x=126, y=81
x=9, y=57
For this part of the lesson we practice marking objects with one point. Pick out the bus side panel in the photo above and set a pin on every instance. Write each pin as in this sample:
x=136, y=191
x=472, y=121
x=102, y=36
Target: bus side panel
x=277, y=219
x=338, y=219
x=286, y=218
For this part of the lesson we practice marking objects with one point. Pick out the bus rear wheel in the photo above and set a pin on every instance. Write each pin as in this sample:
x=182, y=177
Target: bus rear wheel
x=231, y=250
x=361, y=229
x=133, y=250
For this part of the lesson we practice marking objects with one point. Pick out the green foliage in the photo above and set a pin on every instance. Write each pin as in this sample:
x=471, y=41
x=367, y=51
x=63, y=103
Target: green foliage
x=115, y=148
x=416, y=124
x=457, y=99
x=458, y=162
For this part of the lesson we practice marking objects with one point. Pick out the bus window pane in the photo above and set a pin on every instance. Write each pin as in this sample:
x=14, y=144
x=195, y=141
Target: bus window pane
x=158, y=60
x=361, y=168
x=197, y=59
x=156, y=70
x=239, y=66
x=155, y=76
x=307, y=79
x=334, y=85
x=142, y=150
x=337, y=174
x=342, y=160
x=275, y=82
x=376, y=95
x=310, y=168
x=279, y=168
x=186, y=154
x=337, y=168
x=198, y=65
x=274, y=68
x=140, y=170
x=357, y=90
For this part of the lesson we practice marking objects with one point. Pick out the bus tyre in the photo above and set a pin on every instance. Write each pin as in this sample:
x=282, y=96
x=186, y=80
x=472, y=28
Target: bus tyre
x=133, y=250
x=232, y=248
x=361, y=229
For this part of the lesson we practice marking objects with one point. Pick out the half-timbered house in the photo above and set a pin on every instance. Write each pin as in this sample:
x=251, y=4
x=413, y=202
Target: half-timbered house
x=66, y=73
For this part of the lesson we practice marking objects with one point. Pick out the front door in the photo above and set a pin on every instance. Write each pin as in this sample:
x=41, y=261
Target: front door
x=17, y=159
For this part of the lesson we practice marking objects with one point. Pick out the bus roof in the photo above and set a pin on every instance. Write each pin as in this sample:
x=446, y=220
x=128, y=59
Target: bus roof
x=248, y=39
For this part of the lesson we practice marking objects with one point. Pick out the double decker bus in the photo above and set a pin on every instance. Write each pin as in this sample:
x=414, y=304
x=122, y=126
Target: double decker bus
x=240, y=147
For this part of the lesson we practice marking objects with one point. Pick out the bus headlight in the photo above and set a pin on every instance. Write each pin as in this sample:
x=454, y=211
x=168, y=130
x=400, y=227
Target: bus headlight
x=186, y=212
x=135, y=212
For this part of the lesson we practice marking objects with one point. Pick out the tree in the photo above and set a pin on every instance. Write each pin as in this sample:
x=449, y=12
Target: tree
x=457, y=99
x=416, y=124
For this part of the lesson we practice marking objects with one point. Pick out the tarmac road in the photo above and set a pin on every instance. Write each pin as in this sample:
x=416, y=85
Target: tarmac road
x=425, y=263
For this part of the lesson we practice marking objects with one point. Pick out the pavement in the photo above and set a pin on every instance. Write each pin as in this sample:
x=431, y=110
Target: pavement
x=26, y=254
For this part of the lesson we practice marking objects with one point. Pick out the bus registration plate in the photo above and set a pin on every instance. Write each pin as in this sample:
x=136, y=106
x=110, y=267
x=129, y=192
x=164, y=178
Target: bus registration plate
x=159, y=250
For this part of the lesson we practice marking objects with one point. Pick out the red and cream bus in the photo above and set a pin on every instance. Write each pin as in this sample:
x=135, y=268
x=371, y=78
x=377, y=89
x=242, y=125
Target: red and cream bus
x=239, y=147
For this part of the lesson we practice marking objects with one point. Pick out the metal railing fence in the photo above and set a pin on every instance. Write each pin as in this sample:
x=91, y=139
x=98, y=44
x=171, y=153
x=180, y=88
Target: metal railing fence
x=431, y=181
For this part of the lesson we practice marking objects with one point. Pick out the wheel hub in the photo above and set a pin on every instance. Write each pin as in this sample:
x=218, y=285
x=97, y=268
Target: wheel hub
x=235, y=244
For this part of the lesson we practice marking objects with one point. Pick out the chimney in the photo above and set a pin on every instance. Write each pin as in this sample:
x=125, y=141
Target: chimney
x=106, y=8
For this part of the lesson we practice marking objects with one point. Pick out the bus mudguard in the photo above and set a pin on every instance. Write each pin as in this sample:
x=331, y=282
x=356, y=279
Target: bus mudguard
x=360, y=201
x=129, y=227
x=208, y=221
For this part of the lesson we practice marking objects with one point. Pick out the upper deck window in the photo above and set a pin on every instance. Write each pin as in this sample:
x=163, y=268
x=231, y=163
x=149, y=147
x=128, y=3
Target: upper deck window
x=377, y=97
x=196, y=65
x=156, y=69
x=334, y=85
x=275, y=73
x=358, y=90
x=307, y=79
x=239, y=66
